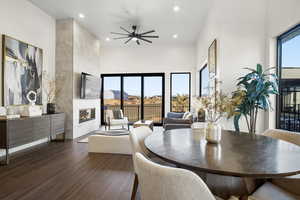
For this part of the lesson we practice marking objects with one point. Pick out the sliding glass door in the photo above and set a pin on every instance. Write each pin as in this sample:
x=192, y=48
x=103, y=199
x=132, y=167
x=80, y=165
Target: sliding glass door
x=132, y=94
x=111, y=93
x=153, y=98
x=140, y=96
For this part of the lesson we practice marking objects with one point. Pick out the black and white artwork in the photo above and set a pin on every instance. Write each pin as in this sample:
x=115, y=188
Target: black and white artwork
x=23, y=67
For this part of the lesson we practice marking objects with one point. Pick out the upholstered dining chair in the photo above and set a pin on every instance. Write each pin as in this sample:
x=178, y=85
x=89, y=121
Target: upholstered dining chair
x=115, y=118
x=287, y=188
x=137, y=137
x=287, y=136
x=159, y=182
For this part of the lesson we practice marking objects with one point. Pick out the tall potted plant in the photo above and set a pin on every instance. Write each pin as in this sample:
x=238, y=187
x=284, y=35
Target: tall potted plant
x=255, y=89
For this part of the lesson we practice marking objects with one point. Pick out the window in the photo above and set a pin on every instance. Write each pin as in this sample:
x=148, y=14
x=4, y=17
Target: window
x=204, y=81
x=180, y=92
x=140, y=96
x=288, y=102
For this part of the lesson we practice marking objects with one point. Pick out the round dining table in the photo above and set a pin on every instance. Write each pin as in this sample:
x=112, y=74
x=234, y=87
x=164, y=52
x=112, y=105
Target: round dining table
x=237, y=155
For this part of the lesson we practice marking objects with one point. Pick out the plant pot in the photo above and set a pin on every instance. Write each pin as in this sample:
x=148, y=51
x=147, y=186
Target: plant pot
x=213, y=132
x=50, y=108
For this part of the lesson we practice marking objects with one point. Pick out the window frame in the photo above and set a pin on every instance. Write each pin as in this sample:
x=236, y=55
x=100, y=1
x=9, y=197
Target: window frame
x=200, y=78
x=142, y=75
x=279, y=67
x=171, y=88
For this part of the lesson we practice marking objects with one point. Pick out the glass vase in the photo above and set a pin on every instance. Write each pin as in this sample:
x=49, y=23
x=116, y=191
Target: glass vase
x=213, y=132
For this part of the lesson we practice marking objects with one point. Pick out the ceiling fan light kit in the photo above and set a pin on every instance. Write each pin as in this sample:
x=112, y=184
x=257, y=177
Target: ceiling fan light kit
x=134, y=35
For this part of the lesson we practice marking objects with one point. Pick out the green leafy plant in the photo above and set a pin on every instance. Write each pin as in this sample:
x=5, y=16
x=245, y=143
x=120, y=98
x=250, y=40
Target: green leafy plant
x=255, y=89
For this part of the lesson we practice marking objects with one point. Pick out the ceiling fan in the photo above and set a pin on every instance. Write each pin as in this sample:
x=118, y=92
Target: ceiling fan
x=135, y=35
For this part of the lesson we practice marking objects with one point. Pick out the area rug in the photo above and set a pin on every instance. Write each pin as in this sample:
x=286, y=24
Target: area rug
x=106, y=133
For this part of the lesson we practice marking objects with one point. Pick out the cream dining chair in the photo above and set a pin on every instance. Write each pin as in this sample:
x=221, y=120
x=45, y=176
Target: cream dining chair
x=159, y=182
x=137, y=137
x=287, y=188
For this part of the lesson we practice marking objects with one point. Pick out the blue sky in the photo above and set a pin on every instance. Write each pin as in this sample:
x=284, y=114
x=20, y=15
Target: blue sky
x=153, y=85
x=291, y=53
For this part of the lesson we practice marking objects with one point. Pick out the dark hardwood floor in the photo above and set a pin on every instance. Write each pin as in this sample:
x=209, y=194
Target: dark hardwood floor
x=66, y=171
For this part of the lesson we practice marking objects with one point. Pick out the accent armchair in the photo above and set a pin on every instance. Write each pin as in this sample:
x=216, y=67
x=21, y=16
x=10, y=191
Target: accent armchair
x=115, y=118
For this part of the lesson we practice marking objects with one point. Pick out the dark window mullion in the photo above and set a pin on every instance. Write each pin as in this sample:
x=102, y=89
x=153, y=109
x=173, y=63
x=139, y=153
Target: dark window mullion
x=142, y=98
x=122, y=93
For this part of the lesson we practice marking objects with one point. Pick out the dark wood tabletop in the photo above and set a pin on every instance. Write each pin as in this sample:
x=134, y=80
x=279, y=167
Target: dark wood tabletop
x=238, y=154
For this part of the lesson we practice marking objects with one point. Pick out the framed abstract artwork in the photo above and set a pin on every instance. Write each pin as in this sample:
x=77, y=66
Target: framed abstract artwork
x=212, y=58
x=22, y=71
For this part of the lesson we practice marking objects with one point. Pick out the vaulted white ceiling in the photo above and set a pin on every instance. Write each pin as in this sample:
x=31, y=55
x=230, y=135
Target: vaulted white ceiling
x=105, y=16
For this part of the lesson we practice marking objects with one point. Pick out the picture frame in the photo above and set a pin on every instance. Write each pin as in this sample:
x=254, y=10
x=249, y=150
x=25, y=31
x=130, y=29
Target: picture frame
x=22, y=71
x=212, y=58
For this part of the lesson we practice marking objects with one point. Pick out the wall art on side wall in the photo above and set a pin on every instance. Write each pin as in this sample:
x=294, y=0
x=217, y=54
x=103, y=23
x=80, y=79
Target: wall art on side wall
x=22, y=71
x=212, y=58
x=212, y=67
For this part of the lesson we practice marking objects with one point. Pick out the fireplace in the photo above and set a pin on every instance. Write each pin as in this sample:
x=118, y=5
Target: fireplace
x=87, y=114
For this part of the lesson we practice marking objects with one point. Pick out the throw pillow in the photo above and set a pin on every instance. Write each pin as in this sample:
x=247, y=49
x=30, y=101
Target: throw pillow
x=118, y=114
x=188, y=116
x=184, y=115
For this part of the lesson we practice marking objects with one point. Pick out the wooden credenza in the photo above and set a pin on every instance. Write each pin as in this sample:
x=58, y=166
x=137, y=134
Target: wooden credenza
x=17, y=132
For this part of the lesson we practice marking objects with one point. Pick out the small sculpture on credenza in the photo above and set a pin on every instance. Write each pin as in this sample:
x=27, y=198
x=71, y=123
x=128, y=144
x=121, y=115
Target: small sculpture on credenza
x=31, y=110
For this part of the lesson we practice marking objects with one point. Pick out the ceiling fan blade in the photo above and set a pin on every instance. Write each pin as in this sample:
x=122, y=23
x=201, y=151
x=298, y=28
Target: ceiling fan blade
x=140, y=38
x=128, y=40
x=120, y=38
x=150, y=36
x=138, y=42
x=147, y=32
x=124, y=29
x=118, y=33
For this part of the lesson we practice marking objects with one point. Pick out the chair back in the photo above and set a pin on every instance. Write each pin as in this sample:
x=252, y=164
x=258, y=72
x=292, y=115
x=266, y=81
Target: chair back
x=287, y=136
x=165, y=183
x=137, y=137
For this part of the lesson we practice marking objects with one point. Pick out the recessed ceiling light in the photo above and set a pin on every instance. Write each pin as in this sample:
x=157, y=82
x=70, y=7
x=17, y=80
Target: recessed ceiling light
x=175, y=36
x=107, y=39
x=176, y=8
x=81, y=15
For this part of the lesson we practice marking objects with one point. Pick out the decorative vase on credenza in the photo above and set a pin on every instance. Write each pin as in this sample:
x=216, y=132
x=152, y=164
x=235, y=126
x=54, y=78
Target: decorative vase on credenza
x=51, y=108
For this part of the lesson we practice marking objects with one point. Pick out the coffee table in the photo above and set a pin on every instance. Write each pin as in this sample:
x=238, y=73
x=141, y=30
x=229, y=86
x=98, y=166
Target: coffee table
x=140, y=123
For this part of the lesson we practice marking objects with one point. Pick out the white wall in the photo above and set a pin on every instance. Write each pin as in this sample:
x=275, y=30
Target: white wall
x=147, y=59
x=239, y=28
x=246, y=32
x=22, y=20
